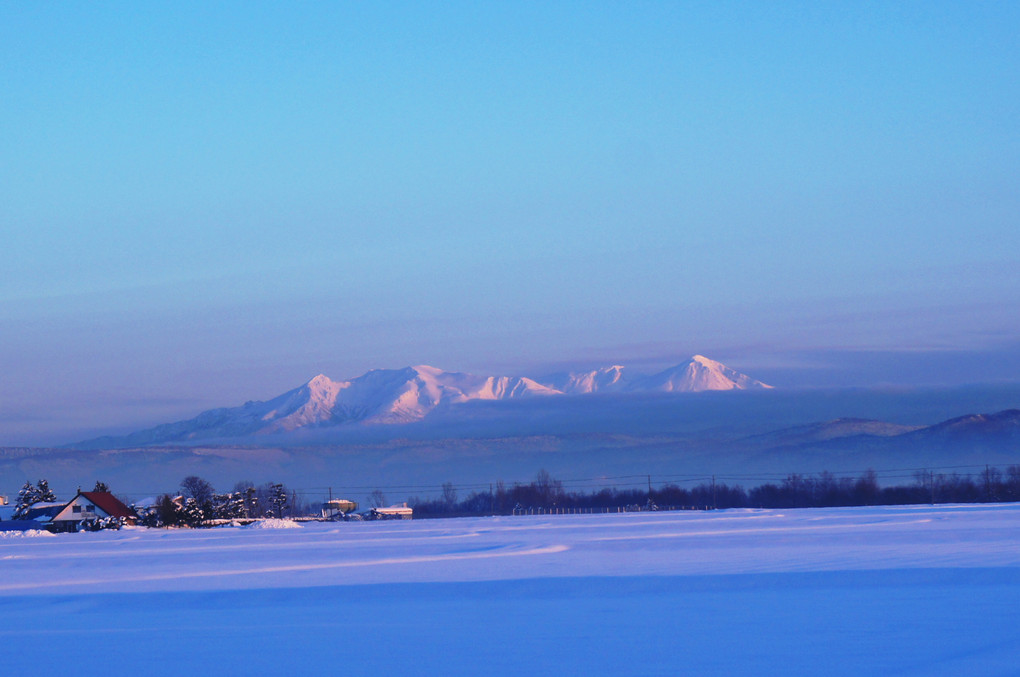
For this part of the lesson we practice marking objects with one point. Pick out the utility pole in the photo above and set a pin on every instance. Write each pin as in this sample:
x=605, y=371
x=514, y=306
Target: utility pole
x=492, y=500
x=713, y=492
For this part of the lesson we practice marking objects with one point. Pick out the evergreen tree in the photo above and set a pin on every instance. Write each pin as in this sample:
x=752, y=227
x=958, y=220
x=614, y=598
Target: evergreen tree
x=167, y=512
x=238, y=506
x=148, y=516
x=27, y=497
x=45, y=494
x=278, y=498
x=101, y=487
x=192, y=514
x=228, y=506
x=251, y=502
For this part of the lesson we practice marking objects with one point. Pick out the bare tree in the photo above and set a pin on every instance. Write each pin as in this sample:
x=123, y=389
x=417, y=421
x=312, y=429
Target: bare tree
x=198, y=489
x=449, y=495
x=548, y=489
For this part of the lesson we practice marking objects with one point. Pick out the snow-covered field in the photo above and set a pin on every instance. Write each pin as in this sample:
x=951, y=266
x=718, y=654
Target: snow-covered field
x=914, y=590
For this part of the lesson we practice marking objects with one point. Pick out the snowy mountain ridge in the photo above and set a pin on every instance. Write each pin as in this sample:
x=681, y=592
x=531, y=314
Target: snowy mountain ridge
x=396, y=396
x=698, y=375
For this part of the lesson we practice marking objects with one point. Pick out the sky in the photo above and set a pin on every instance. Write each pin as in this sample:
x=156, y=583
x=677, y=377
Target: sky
x=205, y=203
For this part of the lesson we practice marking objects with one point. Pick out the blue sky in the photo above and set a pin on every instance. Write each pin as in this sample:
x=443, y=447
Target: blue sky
x=204, y=203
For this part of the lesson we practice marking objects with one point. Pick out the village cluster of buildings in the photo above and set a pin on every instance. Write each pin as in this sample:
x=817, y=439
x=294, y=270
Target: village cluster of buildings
x=87, y=507
x=92, y=509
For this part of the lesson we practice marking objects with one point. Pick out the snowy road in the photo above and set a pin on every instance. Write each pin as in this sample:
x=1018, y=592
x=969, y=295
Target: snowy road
x=905, y=590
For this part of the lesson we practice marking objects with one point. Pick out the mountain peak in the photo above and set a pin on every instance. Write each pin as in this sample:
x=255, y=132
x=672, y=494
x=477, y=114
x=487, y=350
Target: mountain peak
x=427, y=369
x=604, y=379
x=697, y=375
x=319, y=380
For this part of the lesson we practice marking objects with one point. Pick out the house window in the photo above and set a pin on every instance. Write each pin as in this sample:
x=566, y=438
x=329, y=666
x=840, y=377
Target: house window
x=76, y=509
x=90, y=508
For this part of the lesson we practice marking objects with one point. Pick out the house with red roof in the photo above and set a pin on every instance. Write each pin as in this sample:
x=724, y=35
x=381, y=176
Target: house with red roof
x=90, y=506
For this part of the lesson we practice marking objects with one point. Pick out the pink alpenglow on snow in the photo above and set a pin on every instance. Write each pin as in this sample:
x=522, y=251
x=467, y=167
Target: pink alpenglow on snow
x=400, y=396
x=701, y=374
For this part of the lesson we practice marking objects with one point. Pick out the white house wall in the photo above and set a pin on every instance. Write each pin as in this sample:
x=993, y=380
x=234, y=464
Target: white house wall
x=69, y=515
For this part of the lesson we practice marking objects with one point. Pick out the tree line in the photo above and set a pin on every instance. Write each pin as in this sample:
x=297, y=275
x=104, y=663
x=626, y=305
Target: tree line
x=199, y=502
x=794, y=491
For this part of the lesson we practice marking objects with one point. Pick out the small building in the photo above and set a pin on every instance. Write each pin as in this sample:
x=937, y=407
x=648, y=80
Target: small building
x=394, y=512
x=90, y=505
x=337, y=508
x=37, y=516
x=42, y=513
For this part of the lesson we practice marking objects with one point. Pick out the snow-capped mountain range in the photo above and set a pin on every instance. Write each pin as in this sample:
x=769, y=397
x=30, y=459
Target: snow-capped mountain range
x=394, y=396
x=696, y=375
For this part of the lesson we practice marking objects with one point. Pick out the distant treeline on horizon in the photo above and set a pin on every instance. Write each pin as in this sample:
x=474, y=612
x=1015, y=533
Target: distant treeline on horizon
x=823, y=490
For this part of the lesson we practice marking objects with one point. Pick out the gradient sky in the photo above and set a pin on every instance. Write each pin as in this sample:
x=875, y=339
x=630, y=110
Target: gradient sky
x=204, y=203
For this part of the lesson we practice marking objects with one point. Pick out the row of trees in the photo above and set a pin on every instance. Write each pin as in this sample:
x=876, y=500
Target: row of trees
x=29, y=495
x=825, y=490
x=199, y=501
x=795, y=491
